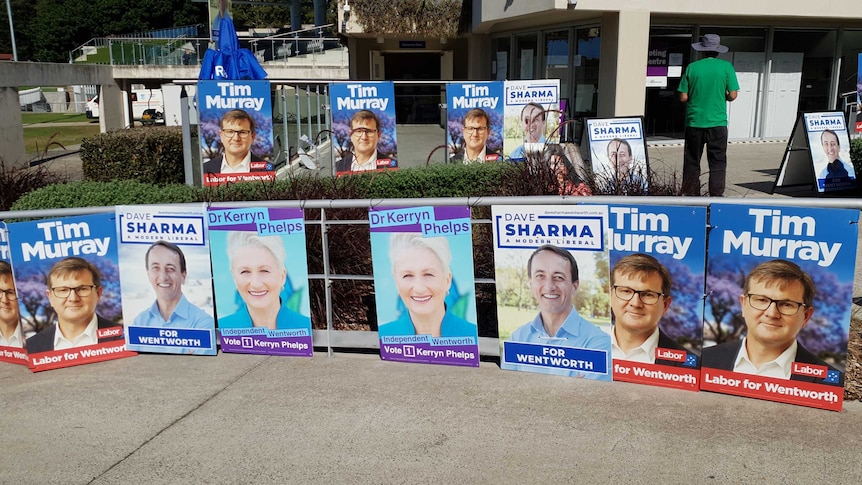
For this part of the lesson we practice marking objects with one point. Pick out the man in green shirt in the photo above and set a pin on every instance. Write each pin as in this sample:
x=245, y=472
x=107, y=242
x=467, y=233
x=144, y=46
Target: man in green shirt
x=706, y=87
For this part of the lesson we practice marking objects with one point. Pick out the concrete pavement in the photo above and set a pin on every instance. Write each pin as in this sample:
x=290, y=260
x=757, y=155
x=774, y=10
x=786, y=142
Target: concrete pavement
x=356, y=419
x=752, y=166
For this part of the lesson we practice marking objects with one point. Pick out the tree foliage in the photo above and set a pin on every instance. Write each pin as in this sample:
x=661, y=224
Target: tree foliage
x=431, y=18
x=47, y=30
x=263, y=14
x=824, y=334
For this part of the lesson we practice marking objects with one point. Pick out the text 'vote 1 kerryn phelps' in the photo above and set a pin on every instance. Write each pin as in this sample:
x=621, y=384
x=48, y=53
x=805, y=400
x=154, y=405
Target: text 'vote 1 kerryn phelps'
x=424, y=285
x=261, y=280
x=171, y=310
x=551, y=265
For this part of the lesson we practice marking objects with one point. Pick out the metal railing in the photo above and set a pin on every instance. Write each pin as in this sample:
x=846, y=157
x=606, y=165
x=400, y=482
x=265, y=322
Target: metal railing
x=300, y=119
x=182, y=46
x=317, y=31
x=331, y=338
x=92, y=46
x=190, y=51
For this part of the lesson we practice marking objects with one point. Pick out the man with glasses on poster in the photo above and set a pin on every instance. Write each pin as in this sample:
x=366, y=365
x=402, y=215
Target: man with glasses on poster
x=10, y=330
x=640, y=297
x=364, y=137
x=237, y=134
x=776, y=300
x=476, y=131
x=74, y=290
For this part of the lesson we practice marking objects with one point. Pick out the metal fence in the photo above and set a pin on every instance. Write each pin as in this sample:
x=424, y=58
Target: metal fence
x=140, y=51
x=318, y=213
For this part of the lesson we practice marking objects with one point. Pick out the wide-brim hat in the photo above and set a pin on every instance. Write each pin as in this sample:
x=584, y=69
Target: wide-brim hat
x=710, y=43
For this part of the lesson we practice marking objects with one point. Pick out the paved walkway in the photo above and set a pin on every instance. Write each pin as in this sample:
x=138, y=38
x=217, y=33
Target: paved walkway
x=355, y=419
x=752, y=167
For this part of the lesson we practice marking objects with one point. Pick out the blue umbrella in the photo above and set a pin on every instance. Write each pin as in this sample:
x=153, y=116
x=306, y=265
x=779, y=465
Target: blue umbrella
x=228, y=61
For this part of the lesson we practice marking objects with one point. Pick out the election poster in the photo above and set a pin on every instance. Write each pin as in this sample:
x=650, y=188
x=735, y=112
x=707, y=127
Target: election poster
x=829, y=145
x=551, y=268
x=424, y=285
x=618, y=152
x=859, y=93
x=778, y=299
x=363, y=126
x=474, y=128
x=532, y=117
x=11, y=337
x=235, y=131
x=171, y=310
x=68, y=282
x=658, y=264
x=260, y=274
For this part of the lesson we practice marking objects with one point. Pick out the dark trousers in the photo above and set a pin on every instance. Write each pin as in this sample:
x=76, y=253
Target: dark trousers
x=715, y=139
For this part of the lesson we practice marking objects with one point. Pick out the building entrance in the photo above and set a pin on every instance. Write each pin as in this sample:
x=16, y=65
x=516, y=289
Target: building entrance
x=416, y=103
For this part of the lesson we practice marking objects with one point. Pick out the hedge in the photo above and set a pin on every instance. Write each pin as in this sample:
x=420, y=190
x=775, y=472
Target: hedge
x=451, y=180
x=856, y=155
x=148, y=154
x=96, y=194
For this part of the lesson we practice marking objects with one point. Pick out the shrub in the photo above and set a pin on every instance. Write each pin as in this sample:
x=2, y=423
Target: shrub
x=856, y=155
x=17, y=181
x=349, y=249
x=151, y=154
x=97, y=194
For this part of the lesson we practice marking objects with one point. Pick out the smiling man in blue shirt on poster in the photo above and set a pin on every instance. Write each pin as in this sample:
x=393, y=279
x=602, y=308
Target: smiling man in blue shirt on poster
x=166, y=270
x=553, y=274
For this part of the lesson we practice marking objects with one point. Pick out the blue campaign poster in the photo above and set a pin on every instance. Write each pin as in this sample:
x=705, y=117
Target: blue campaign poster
x=858, y=126
x=260, y=274
x=363, y=125
x=619, y=155
x=11, y=337
x=474, y=128
x=171, y=310
x=532, y=117
x=778, y=299
x=658, y=249
x=236, y=137
x=829, y=144
x=424, y=285
x=68, y=283
x=551, y=265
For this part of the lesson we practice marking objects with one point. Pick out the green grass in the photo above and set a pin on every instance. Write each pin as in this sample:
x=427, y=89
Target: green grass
x=37, y=139
x=32, y=118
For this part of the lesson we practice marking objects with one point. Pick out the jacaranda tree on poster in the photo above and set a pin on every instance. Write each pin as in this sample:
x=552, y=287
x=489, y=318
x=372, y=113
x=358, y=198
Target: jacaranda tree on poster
x=657, y=342
x=11, y=337
x=778, y=298
x=68, y=281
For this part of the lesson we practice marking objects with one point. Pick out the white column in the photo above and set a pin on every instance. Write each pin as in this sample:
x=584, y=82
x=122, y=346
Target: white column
x=622, y=71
